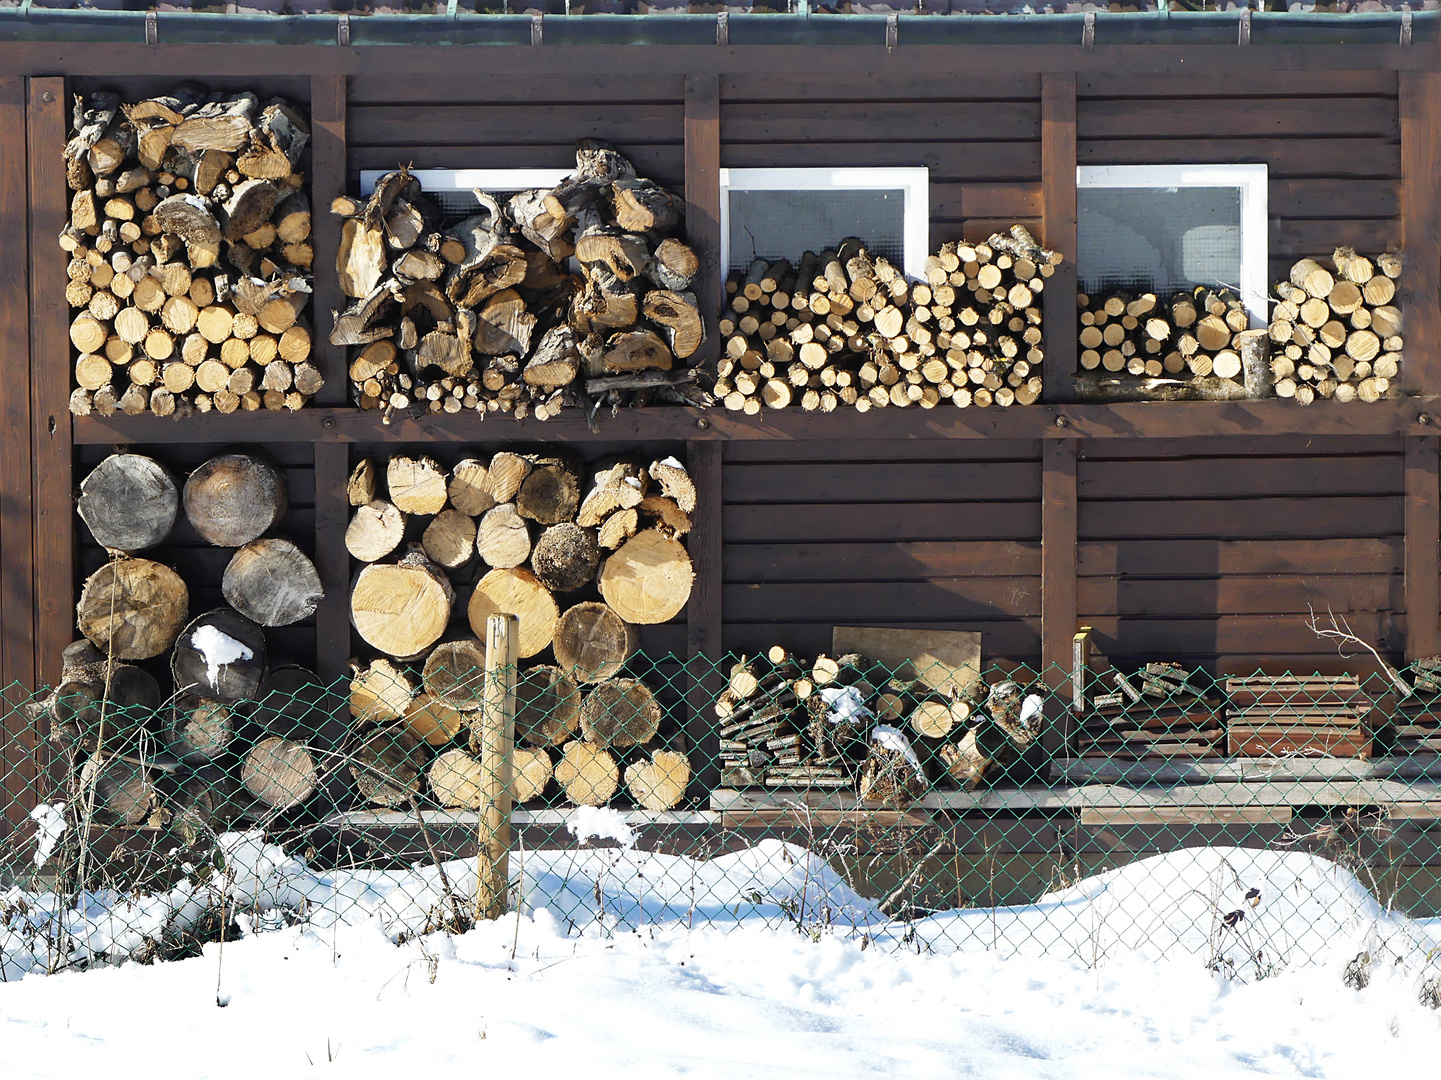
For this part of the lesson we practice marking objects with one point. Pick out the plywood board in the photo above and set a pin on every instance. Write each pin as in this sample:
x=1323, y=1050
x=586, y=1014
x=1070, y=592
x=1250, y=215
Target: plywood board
x=945, y=660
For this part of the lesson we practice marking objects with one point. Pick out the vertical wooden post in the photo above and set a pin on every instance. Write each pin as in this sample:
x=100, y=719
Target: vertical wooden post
x=1058, y=577
x=702, y=201
x=703, y=613
x=1420, y=106
x=327, y=180
x=497, y=738
x=1058, y=209
x=54, y=521
x=332, y=616
x=1080, y=668
x=1423, y=547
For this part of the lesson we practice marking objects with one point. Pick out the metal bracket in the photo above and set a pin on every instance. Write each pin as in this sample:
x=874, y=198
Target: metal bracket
x=342, y=31
x=893, y=31
x=1405, y=28
x=537, y=30
x=1088, y=31
x=723, y=28
x=1243, y=32
x=152, y=28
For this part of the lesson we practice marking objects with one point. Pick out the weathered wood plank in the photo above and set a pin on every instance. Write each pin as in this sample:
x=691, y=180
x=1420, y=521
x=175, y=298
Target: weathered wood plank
x=839, y=451
x=956, y=599
x=1235, y=477
x=1058, y=228
x=1423, y=547
x=1277, y=117
x=702, y=186
x=923, y=561
x=1348, y=197
x=869, y=121
x=883, y=521
x=332, y=616
x=518, y=125
x=1420, y=224
x=704, y=610
x=1204, y=558
x=1239, y=594
x=882, y=482
x=1294, y=156
x=1237, y=445
x=327, y=180
x=486, y=90
x=1242, y=519
x=1238, y=85
x=1292, y=238
x=1059, y=504
x=1247, y=637
x=985, y=200
x=827, y=89
x=949, y=162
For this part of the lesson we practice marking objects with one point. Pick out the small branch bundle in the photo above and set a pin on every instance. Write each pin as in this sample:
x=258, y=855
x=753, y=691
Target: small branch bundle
x=536, y=533
x=846, y=328
x=1194, y=345
x=486, y=316
x=1336, y=331
x=1159, y=712
x=189, y=243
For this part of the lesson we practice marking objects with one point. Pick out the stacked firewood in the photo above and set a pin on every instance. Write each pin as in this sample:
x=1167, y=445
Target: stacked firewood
x=1272, y=715
x=486, y=315
x=534, y=533
x=1417, y=725
x=189, y=243
x=234, y=734
x=846, y=722
x=1335, y=330
x=1161, y=711
x=1193, y=344
x=845, y=328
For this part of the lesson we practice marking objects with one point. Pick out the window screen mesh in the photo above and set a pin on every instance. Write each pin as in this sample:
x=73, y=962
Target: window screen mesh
x=783, y=224
x=1158, y=239
x=457, y=205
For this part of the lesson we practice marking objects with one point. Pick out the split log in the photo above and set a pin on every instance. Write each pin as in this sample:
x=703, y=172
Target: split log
x=133, y=609
x=375, y=530
x=401, y=609
x=200, y=729
x=550, y=492
x=592, y=642
x=416, y=485
x=279, y=773
x=122, y=790
x=891, y=774
x=361, y=488
x=433, y=721
x=468, y=488
x=234, y=498
x=637, y=350
x=587, y=773
x=387, y=767
x=565, y=557
x=220, y=655
x=620, y=712
x=272, y=582
x=129, y=502
x=660, y=783
x=675, y=482
x=449, y=540
x=503, y=540
x=455, y=674
x=459, y=780
x=648, y=579
x=505, y=475
x=515, y=592
x=547, y=706
x=380, y=693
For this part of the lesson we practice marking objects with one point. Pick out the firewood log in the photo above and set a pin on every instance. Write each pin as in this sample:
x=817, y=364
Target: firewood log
x=455, y=674
x=234, y=498
x=101, y=705
x=121, y=790
x=565, y=557
x=458, y=779
x=433, y=721
x=449, y=539
x=380, y=693
x=375, y=530
x=660, y=783
x=620, y=712
x=401, y=609
x=468, y=489
x=129, y=502
x=587, y=773
x=547, y=706
x=516, y=592
x=133, y=609
x=648, y=579
x=387, y=767
x=279, y=773
x=503, y=539
x=294, y=704
x=550, y=492
x=592, y=642
x=200, y=729
x=272, y=582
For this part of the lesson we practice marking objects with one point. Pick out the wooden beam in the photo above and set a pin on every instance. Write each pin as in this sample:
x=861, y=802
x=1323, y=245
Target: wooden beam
x=703, y=611
x=1420, y=105
x=1058, y=223
x=1059, y=513
x=327, y=180
x=1423, y=547
x=332, y=617
x=54, y=514
x=702, y=201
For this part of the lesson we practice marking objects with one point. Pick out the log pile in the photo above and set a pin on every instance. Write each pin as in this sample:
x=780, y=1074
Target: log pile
x=1160, y=712
x=190, y=254
x=1336, y=329
x=485, y=315
x=582, y=556
x=1192, y=345
x=1311, y=715
x=845, y=328
x=845, y=722
x=1417, y=725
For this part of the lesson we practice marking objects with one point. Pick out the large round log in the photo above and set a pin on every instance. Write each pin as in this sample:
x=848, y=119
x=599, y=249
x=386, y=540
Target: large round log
x=504, y=538
x=132, y=609
x=234, y=498
x=433, y=721
x=375, y=530
x=455, y=674
x=387, y=767
x=547, y=706
x=129, y=502
x=123, y=789
x=565, y=557
x=401, y=609
x=660, y=783
x=416, y=485
x=550, y=494
x=592, y=642
x=518, y=593
x=102, y=707
x=200, y=729
x=220, y=655
x=449, y=539
x=272, y=582
x=279, y=773
x=620, y=712
x=293, y=703
x=587, y=773
x=648, y=579
x=380, y=693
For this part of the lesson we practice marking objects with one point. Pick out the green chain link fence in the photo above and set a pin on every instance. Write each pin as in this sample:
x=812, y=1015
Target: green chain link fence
x=910, y=808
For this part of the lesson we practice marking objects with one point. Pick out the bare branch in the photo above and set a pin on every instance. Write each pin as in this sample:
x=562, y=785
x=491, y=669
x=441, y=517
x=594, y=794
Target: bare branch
x=1340, y=632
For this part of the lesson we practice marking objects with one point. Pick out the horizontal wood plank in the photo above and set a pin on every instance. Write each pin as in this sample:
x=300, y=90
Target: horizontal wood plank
x=460, y=125
x=883, y=521
x=1236, y=635
x=1379, y=474
x=868, y=121
x=1250, y=84
x=759, y=563
x=1277, y=118
x=1330, y=197
x=827, y=89
x=836, y=451
x=1241, y=519
x=480, y=89
x=1239, y=594
x=1181, y=558
x=1017, y=639
x=1292, y=238
x=1292, y=156
x=960, y=598
x=883, y=482
x=948, y=161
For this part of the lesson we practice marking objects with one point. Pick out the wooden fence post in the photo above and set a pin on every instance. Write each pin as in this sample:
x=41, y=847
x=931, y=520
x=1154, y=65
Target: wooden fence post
x=497, y=736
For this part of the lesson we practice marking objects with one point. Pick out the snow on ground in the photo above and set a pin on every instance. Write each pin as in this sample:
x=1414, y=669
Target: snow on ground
x=761, y=963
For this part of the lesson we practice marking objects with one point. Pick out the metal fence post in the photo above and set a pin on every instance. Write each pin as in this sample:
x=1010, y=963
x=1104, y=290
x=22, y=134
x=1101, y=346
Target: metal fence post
x=497, y=736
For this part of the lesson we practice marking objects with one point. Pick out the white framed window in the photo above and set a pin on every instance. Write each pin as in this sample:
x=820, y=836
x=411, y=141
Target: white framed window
x=1162, y=228
x=454, y=189
x=781, y=213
